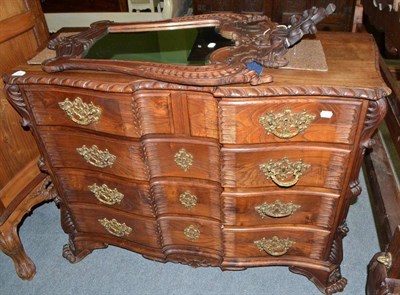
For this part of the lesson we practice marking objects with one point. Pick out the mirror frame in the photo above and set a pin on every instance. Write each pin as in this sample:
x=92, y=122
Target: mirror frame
x=257, y=40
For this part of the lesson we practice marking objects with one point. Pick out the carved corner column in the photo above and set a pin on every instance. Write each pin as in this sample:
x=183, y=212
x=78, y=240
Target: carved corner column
x=329, y=279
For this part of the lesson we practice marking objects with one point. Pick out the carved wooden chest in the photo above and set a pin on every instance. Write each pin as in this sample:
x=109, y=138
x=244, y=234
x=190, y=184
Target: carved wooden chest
x=212, y=165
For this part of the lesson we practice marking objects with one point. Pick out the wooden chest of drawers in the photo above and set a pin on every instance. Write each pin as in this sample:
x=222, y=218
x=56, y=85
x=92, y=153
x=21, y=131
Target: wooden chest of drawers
x=234, y=176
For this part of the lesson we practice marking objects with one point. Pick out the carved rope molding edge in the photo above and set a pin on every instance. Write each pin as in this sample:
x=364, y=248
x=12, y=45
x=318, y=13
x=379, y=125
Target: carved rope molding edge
x=294, y=90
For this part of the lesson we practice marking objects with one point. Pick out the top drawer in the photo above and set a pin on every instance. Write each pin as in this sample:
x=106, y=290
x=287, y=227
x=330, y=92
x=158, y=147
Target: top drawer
x=104, y=112
x=177, y=112
x=288, y=119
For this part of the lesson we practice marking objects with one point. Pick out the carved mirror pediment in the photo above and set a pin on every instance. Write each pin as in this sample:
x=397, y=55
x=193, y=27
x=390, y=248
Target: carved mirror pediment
x=202, y=50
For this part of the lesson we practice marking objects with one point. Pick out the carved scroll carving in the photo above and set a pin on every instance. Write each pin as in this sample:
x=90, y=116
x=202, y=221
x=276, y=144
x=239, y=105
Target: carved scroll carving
x=376, y=113
x=15, y=98
x=267, y=46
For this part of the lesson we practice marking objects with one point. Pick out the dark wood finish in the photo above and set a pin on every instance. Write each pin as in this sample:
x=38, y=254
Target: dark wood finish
x=383, y=270
x=384, y=17
x=384, y=279
x=22, y=184
x=280, y=11
x=188, y=155
x=238, y=6
x=51, y=6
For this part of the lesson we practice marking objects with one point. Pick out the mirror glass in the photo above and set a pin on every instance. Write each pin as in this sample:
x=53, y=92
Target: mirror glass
x=179, y=46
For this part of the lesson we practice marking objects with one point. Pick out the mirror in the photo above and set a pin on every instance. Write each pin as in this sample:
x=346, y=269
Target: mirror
x=190, y=46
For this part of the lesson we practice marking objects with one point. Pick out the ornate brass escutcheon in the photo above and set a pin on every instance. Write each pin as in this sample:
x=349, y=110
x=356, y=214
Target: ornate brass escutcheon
x=106, y=195
x=115, y=228
x=385, y=259
x=188, y=199
x=192, y=233
x=274, y=246
x=183, y=159
x=80, y=112
x=283, y=169
x=97, y=157
x=286, y=125
x=277, y=209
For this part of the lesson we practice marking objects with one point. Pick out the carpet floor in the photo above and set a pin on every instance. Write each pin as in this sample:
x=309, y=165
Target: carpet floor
x=118, y=271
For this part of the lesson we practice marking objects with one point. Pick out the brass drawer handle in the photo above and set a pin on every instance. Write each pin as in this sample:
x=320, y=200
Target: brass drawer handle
x=97, y=157
x=192, y=233
x=188, y=199
x=276, y=209
x=80, y=112
x=106, y=195
x=183, y=159
x=283, y=169
x=274, y=246
x=115, y=228
x=287, y=124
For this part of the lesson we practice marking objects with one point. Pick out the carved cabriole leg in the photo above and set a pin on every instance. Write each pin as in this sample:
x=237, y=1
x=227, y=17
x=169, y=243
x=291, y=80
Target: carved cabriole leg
x=328, y=282
x=10, y=242
x=11, y=245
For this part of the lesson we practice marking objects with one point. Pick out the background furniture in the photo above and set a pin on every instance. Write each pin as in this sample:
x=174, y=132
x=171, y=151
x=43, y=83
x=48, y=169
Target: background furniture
x=22, y=185
x=65, y=17
x=188, y=168
x=382, y=18
x=50, y=6
x=281, y=10
x=137, y=5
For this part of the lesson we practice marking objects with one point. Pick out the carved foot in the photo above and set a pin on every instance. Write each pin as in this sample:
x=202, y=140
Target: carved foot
x=76, y=251
x=11, y=245
x=328, y=282
x=69, y=254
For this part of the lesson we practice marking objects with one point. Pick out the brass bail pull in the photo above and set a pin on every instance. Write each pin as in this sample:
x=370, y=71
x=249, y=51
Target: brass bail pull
x=80, y=112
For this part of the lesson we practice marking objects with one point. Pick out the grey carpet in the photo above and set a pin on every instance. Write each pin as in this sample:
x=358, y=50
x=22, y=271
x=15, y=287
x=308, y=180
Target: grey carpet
x=118, y=271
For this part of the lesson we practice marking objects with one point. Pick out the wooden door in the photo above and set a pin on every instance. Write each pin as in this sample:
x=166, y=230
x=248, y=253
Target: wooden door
x=23, y=31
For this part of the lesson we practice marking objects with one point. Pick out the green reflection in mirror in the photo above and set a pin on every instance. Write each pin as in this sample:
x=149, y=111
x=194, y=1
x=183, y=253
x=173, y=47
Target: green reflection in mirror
x=184, y=46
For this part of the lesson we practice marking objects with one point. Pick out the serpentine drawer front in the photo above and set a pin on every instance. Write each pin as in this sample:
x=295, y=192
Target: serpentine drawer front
x=211, y=165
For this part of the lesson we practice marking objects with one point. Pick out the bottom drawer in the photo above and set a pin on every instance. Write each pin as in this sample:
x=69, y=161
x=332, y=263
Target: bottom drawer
x=190, y=231
x=275, y=242
x=104, y=221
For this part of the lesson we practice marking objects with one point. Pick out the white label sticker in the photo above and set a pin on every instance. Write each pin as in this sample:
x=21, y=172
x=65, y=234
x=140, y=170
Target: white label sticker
x=326, y=114
x=18, y=74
